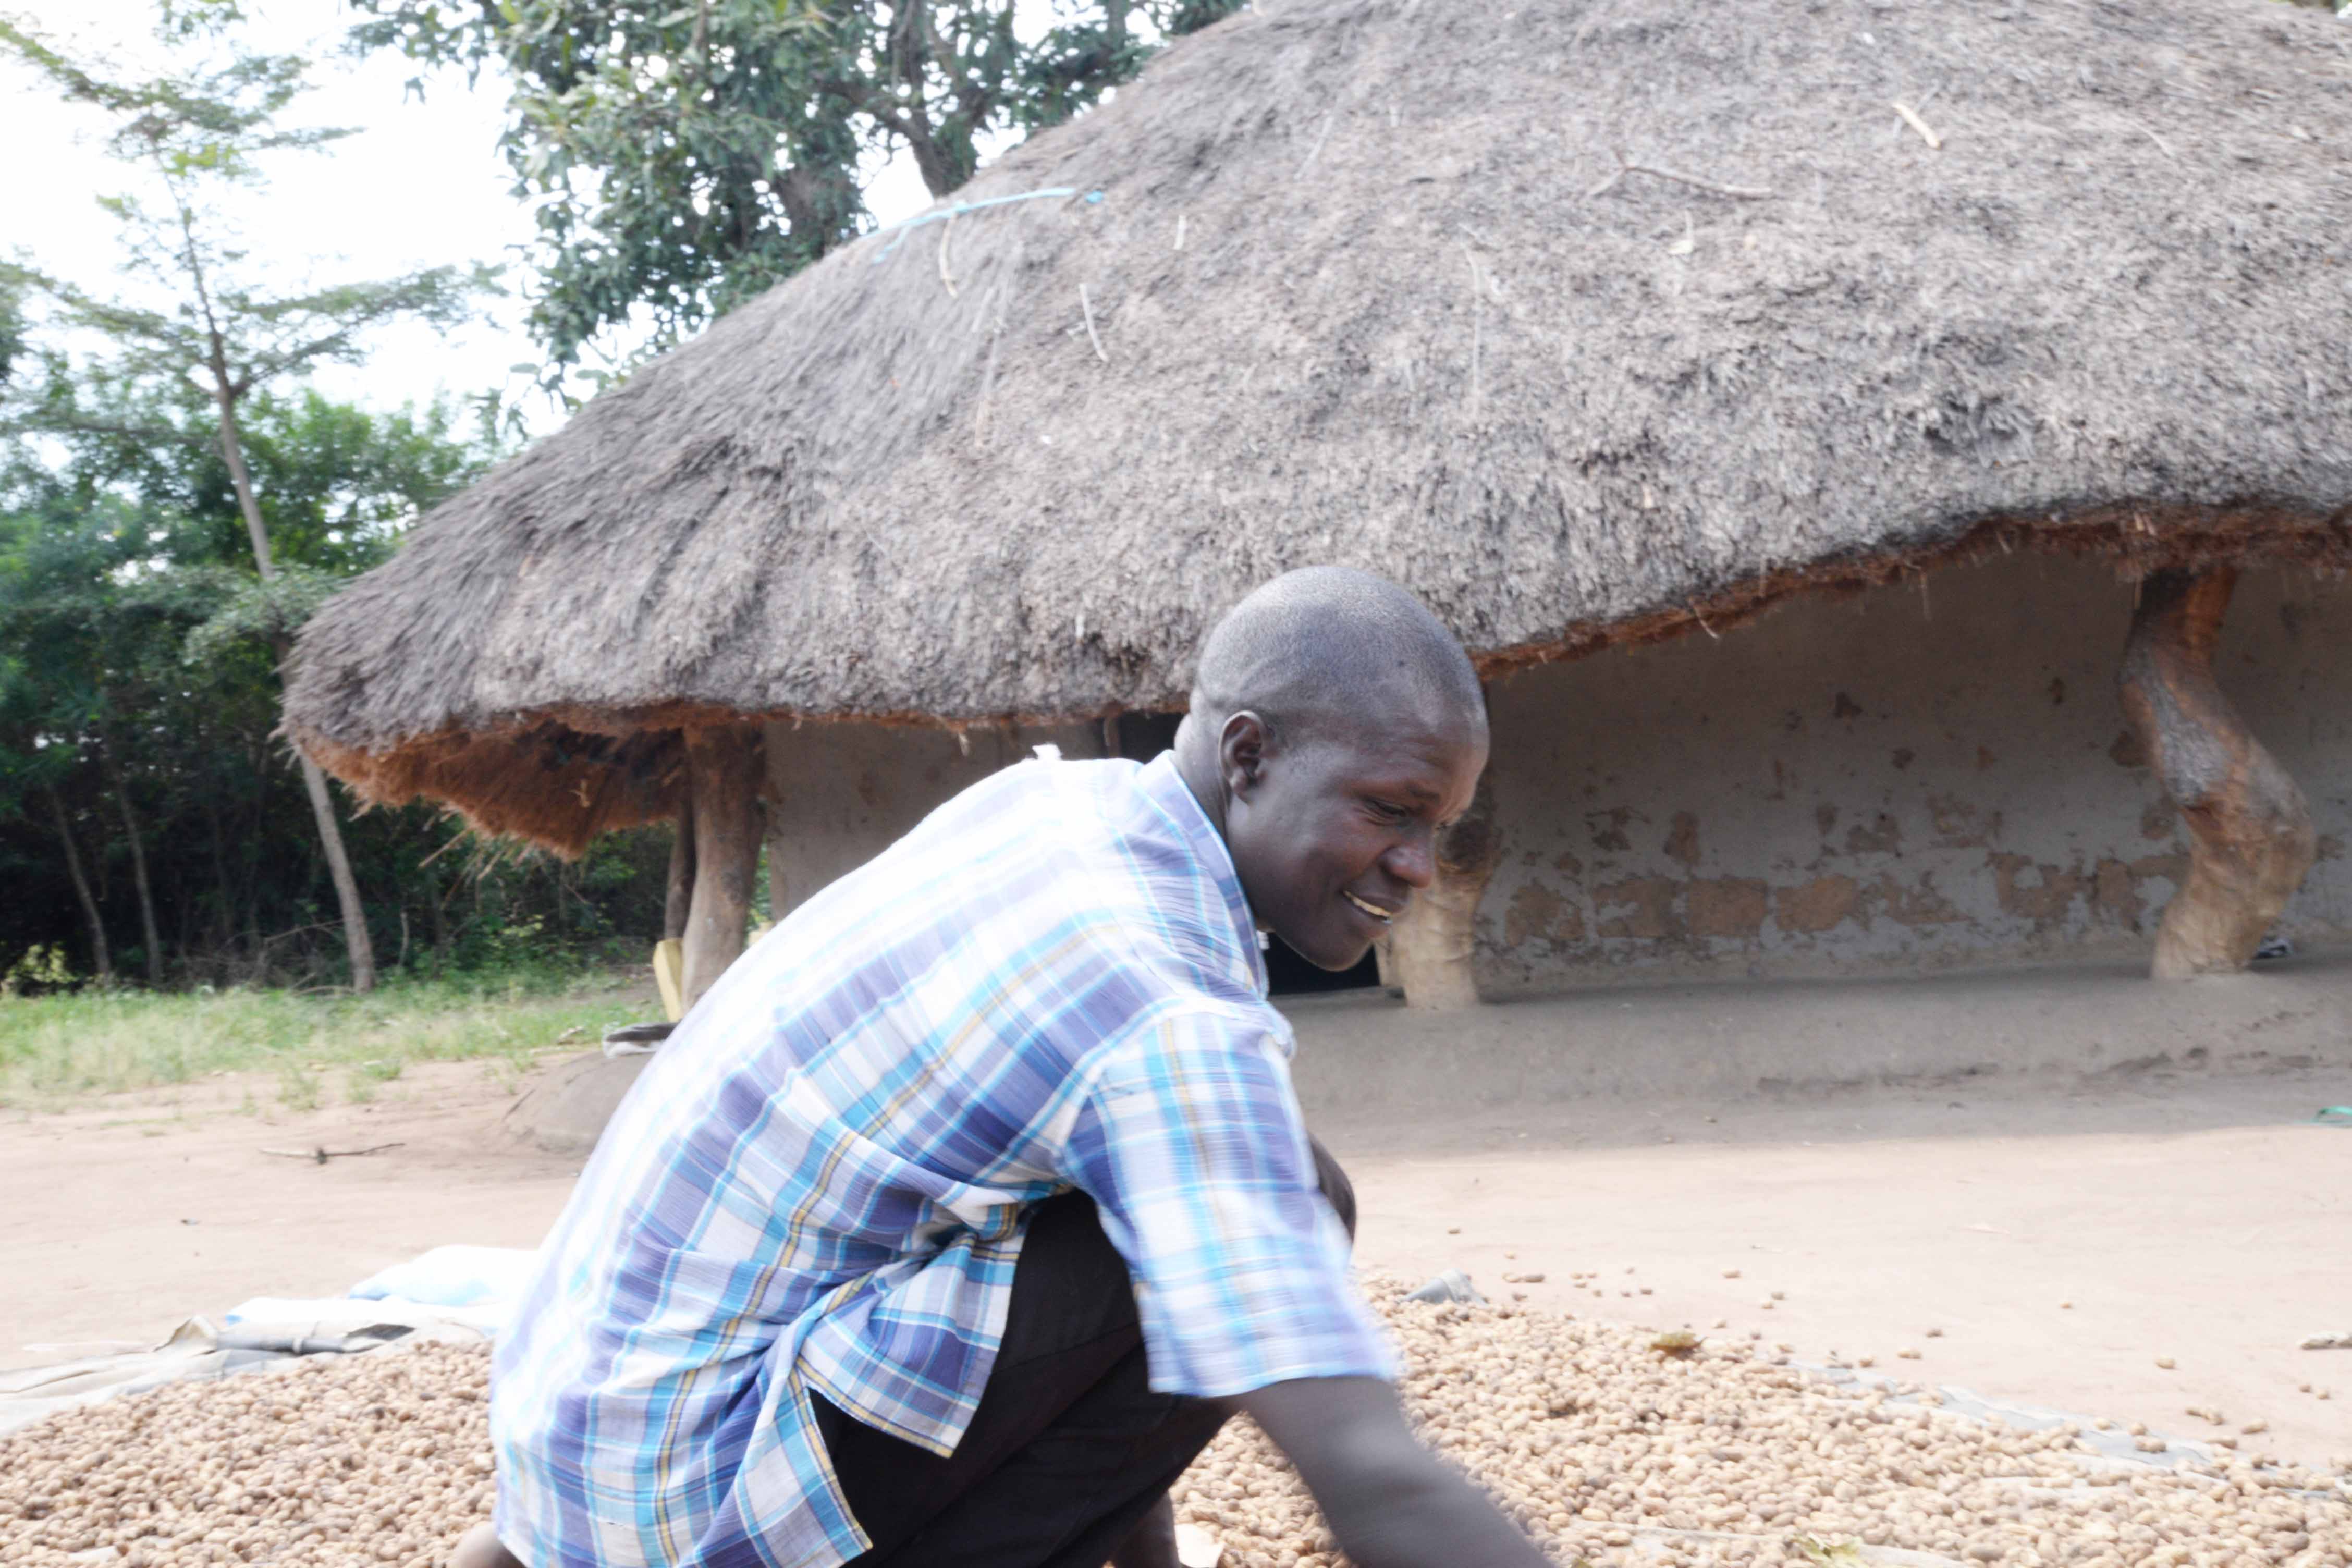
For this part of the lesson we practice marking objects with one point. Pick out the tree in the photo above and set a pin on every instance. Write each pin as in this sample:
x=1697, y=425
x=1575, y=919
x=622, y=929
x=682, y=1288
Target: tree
x=92, y=639
x=140, y=775
x=199, y=134
x=686, y=154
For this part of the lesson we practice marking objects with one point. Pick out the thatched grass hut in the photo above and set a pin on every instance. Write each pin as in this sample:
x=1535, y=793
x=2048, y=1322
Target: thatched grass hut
x=1601, y=325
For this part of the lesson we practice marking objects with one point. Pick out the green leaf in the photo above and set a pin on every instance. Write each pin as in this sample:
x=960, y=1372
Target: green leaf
x=745, y=161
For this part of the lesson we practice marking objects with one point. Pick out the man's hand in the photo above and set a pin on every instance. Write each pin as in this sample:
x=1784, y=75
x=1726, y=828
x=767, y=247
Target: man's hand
x=1389, y=1500
x=480, y=1548
x=1152, y=1543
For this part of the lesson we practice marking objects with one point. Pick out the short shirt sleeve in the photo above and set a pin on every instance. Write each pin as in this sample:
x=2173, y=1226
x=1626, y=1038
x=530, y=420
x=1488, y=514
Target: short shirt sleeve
x=1191, y=1145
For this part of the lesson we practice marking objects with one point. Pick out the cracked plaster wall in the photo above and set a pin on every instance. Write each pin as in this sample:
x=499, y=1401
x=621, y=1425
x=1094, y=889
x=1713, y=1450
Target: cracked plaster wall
x=839, y=794
x=1878, y=783
x=1896, y=781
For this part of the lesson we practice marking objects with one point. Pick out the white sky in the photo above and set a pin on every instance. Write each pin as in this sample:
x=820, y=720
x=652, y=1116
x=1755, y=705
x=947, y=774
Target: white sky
x=423, y=185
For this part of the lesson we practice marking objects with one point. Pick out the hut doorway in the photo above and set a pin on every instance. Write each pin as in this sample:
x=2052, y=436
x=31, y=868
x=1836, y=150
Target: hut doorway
x=1139, y=737
x=1287, y=975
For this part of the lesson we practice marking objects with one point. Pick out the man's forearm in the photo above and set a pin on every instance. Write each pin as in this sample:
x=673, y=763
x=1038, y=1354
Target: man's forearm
x=1387, y=1499
x=1423, y=1514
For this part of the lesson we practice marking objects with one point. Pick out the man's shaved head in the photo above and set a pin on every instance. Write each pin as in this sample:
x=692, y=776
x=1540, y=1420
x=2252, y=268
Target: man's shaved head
x=1336, y=726
x=1327, y=647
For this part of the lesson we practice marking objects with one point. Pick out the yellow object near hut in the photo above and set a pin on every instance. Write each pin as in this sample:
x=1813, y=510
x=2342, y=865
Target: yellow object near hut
x=669, y=974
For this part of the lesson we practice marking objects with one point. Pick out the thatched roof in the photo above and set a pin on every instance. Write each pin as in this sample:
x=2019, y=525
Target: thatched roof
x=1348, y=280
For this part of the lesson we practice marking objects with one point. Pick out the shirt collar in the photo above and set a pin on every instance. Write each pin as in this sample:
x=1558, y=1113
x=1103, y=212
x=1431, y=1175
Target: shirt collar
x=1166, y=788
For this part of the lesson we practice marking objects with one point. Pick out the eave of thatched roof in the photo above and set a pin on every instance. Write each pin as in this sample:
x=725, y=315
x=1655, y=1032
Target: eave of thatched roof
x=1336, y=284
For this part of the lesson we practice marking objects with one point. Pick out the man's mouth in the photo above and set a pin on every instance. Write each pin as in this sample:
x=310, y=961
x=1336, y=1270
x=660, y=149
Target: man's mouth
x=1378, y=913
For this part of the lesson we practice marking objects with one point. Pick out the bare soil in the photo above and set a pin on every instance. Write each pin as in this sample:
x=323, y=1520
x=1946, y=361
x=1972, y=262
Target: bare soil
x=133, y=1211
x=2203, y=1219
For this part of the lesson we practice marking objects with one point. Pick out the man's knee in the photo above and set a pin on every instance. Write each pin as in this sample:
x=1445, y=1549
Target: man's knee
x=1340, y=1192
x=480, y=1548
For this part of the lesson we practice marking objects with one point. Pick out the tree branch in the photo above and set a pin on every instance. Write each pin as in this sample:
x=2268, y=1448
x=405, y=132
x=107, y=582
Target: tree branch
x=79, y=424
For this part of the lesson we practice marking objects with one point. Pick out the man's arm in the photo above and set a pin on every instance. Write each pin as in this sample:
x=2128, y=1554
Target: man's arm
x=1387, y=1499
x=1241, y=1282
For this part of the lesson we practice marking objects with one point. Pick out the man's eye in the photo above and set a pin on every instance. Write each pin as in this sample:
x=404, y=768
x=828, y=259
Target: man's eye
x=1388, y=811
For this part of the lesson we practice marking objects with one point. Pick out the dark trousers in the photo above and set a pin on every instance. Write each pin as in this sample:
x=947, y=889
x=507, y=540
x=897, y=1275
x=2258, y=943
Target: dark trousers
x=1069, y=1448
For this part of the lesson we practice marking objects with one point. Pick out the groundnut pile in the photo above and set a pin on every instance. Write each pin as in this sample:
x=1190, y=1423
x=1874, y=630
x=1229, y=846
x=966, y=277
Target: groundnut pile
x=1610, y=1445
x=1615, y=1445
x=376, y=1458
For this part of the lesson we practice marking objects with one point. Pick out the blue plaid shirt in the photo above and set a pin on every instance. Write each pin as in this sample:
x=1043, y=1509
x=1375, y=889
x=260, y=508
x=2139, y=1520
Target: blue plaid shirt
x=821, y=1182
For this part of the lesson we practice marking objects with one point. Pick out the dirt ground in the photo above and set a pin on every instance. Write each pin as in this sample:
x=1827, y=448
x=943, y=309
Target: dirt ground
x=2200, y=1219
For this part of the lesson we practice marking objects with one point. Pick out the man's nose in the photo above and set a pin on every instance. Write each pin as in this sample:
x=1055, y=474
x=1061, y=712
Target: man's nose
x=1413, y=862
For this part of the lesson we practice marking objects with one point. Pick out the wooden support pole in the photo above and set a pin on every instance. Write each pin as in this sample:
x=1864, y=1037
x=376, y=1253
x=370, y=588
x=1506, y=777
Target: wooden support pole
x=677, y=893
x=781, y=782
x=2250, y=831
x=785, y=892
x=724, y=766
x=1430, y=947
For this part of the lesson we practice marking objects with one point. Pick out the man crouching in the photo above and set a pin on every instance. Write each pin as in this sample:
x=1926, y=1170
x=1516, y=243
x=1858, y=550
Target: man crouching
x=956, y=1219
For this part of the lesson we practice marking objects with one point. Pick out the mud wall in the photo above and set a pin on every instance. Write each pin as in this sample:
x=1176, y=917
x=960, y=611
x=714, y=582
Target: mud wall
x=1915, y=778
x=1894, y=781
x=839, y=794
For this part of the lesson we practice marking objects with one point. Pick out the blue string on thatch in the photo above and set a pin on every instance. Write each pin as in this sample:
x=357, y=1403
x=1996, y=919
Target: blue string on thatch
x=899, y=229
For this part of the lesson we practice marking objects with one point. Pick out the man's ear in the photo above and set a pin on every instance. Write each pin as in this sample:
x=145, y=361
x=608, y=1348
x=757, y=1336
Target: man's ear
x=1241, y=748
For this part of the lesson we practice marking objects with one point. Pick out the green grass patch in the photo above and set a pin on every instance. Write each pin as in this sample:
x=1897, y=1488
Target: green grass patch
x=56, y=1047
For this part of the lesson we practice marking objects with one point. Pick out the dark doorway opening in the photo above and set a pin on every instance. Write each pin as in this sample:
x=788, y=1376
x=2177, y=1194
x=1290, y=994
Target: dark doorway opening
x=1139, y=737
x=1287, y=975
